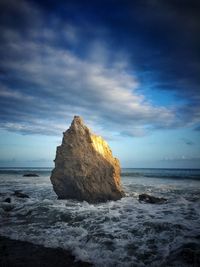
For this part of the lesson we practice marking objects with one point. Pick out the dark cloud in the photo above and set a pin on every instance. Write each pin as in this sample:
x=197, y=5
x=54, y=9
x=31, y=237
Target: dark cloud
x=92, y=59
x=158, y=35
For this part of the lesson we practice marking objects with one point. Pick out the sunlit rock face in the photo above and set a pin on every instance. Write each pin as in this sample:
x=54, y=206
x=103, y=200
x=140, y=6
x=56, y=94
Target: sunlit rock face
x=84, y=167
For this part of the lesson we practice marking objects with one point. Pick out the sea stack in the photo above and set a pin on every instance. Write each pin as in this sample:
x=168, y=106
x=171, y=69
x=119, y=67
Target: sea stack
x=84, y=167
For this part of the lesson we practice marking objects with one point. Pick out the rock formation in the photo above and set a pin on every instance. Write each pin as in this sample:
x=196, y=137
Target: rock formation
x=30, y=175
x=84, y=167
x=151, y=199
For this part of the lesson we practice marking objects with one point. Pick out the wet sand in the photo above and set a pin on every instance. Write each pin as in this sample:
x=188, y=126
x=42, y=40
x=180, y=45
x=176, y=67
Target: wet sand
x=14, y=253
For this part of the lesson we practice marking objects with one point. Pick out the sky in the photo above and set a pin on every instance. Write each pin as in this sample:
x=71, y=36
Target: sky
x=131, y=69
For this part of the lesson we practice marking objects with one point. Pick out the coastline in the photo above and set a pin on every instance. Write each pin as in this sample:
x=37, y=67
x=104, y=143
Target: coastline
x=15, y=253
x=125, y=232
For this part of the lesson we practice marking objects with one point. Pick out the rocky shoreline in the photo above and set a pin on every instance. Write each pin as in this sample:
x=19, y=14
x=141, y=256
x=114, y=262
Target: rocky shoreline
x=15, y=253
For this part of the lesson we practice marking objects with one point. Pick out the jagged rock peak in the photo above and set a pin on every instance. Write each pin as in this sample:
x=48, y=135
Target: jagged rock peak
x=84, y=166
x=77, y=121
x=77, y=125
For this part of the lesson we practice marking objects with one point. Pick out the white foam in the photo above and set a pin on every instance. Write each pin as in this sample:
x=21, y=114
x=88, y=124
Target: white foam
x=105, y=234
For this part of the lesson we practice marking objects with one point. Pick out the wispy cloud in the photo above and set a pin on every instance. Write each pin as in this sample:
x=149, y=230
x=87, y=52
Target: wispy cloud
x=181, y=158
x=59, y=84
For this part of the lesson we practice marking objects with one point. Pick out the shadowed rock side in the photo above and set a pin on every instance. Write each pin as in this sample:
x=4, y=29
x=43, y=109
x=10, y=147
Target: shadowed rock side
x=84, y=167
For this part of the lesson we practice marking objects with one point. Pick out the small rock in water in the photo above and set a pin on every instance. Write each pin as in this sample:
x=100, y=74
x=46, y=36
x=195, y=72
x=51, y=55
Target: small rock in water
x=8, y=200
x=18, y=193
x=151, y=199
x=85, y=168
x=31, y=175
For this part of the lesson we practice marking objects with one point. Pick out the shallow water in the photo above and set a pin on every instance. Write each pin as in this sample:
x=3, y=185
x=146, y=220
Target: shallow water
x=116, y=233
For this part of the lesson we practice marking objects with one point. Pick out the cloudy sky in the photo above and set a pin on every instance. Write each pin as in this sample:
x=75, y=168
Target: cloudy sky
x=131, y=69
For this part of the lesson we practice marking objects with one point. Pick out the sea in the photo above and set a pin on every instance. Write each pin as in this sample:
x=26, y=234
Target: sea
x=124, y=233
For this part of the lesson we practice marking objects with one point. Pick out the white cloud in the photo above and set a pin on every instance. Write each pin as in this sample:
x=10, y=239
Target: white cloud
x=63, y=82
x=15, y=94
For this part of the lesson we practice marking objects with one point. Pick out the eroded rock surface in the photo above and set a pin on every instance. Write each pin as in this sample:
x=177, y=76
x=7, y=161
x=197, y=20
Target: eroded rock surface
x=84, y=167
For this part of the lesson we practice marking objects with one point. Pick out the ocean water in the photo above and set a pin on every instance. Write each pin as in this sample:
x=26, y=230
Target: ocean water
x=115, y=233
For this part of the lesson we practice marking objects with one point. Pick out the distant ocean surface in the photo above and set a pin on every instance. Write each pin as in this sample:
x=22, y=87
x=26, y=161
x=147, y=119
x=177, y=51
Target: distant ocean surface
x=115, y=233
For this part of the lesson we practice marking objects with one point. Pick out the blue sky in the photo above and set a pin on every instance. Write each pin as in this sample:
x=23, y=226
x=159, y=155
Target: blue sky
x=131, y=69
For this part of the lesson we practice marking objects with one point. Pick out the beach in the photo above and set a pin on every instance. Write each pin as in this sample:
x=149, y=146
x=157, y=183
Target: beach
x=16, y=253
x=126, y=232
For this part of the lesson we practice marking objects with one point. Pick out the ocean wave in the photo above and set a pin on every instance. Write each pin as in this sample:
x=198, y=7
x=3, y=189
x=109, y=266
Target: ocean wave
x=192, y=174
x=161, y=175
x=106, y=234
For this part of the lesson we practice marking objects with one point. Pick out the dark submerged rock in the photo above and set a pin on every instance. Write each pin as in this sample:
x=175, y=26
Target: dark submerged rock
x=7, y=206
x=30, y=175
x=151, y=199
x=18, y=193
x=8, y=200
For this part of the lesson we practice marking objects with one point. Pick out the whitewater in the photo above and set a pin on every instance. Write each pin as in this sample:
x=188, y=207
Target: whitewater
x=116, y=233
